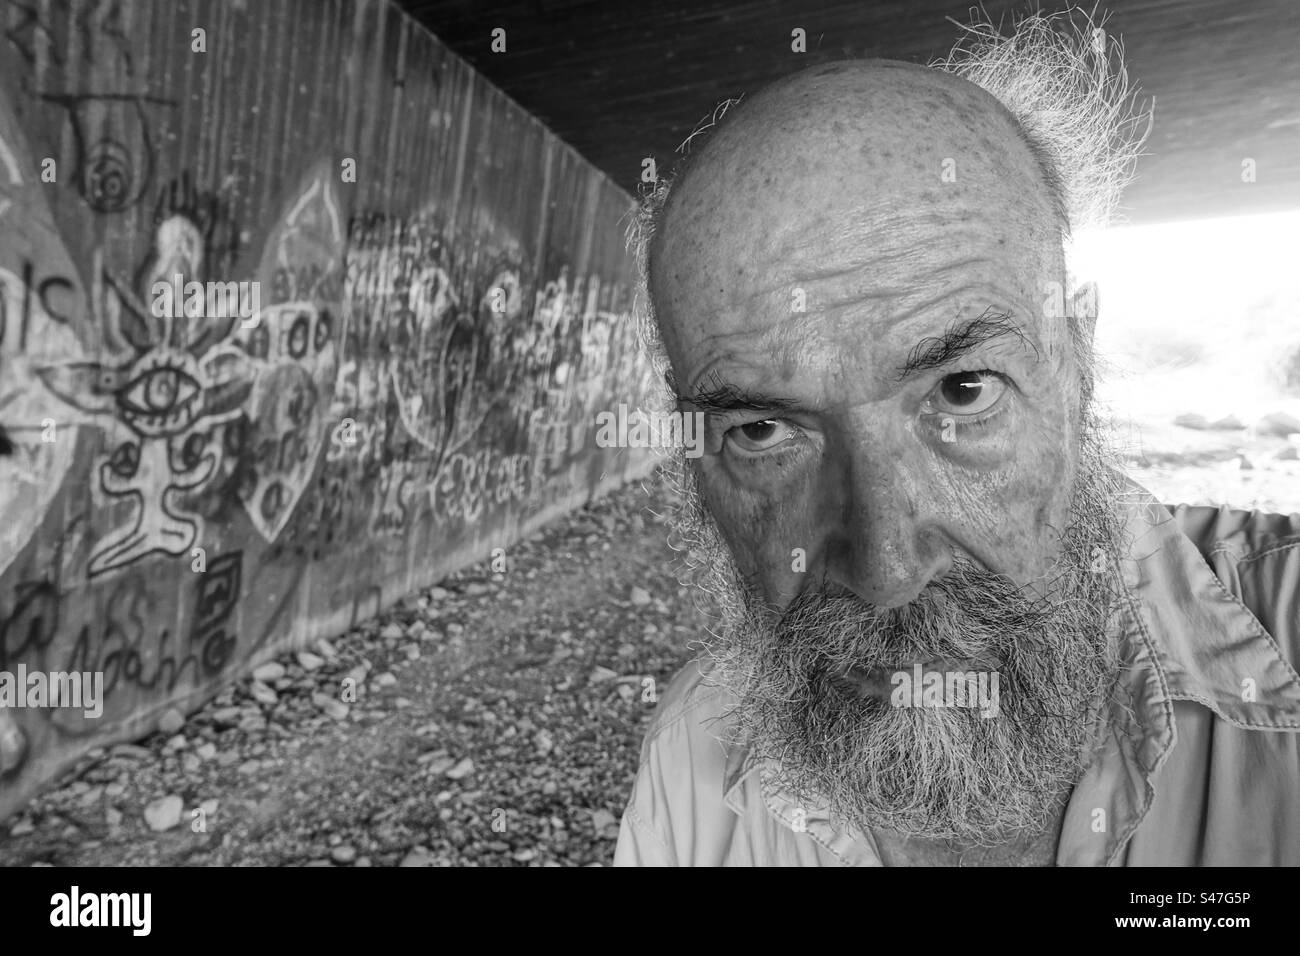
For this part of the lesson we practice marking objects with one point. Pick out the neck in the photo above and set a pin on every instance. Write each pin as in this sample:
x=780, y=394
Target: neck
x=1027, y=848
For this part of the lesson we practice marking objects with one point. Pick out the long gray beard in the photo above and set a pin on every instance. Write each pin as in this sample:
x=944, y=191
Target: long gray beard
x=937, y=773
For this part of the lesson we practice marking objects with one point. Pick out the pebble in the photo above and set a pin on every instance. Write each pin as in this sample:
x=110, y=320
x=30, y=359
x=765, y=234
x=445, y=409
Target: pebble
x=343, y=854
x=386, y=679
x=253, y=724
x=639, y=596
x=131, y=752
x=269, y=673
x=600, y=675
x=439, y=594
x=171, y=721
x=164, y=813
x=437, y=766
x=418, y=856
x=332, y=706
x=462, y=769
x=263, y=694
x=206, y=751
x=600, y=819
x=22, y=828
x=227, y=716
x=391, y=632
x=309, y=661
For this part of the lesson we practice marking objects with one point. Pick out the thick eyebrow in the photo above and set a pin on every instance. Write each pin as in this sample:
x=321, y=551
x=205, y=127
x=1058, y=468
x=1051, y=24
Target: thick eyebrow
x=715, y=395
x=938, y=351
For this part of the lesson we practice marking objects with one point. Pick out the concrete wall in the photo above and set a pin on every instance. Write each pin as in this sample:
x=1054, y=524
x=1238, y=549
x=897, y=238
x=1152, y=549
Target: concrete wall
x=189, y=495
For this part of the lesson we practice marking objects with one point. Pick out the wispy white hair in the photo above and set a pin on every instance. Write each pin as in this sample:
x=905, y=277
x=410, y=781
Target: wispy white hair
x=1060, y=75
x=1064, y=80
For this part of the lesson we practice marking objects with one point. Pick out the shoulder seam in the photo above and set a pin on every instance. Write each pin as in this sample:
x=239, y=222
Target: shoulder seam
x=683, y=708
x=1285, y=544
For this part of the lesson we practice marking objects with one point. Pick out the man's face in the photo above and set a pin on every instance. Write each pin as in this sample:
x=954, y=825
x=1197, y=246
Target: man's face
x=850, y=283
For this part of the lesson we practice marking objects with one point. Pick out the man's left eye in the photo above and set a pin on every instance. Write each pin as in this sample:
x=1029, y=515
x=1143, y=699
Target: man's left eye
x=967, y=393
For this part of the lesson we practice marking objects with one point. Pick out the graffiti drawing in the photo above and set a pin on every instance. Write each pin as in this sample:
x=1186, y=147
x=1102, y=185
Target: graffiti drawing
x=170, y=387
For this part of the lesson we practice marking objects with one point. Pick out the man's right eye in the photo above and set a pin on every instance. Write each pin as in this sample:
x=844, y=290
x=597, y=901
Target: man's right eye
x=754, y=438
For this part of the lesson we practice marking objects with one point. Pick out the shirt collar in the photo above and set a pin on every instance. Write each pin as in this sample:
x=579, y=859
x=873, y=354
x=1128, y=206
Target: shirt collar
x=1205, y=644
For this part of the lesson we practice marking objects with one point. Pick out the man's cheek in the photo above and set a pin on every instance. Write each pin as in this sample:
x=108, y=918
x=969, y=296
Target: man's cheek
x=769, y=536
x=1011, y=519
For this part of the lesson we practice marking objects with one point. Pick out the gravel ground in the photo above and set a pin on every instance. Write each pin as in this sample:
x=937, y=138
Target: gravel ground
x=497, y=722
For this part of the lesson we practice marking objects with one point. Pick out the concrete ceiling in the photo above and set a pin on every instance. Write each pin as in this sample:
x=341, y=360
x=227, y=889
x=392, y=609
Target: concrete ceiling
x=624, y=80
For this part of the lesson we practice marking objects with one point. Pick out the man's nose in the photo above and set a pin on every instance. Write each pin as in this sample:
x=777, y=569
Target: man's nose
x=888, y=548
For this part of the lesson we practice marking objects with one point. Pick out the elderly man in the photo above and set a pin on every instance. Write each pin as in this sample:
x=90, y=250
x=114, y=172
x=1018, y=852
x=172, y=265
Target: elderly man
x=950, y=632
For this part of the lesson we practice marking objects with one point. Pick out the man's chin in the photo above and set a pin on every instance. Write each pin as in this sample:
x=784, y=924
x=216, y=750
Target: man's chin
x=925, y=773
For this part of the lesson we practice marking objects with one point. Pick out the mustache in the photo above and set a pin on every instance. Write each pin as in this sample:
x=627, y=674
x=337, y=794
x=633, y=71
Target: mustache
x=963, y=615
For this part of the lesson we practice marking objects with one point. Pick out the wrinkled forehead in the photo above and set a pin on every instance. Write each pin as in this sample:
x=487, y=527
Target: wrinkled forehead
x=870, y=176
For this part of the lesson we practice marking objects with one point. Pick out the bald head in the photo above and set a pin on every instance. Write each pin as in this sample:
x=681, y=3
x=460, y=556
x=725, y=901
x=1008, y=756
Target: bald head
x=860, y=140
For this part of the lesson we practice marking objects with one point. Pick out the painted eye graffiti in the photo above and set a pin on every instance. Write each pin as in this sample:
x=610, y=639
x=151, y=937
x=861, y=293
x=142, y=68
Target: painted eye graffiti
x=967, y=393
x=158, y=395
x=757, y=437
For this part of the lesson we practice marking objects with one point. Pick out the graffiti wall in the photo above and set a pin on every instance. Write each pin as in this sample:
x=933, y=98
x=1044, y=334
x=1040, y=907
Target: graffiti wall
x=297, y=315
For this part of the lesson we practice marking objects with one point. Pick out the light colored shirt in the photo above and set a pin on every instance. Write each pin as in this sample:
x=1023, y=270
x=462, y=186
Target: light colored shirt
x=1201, y=769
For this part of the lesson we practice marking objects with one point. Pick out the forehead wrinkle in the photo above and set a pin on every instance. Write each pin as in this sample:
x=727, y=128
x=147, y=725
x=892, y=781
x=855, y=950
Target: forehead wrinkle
x=856, y=284
x=936, y=284
x=863, y=235
x=774, y=356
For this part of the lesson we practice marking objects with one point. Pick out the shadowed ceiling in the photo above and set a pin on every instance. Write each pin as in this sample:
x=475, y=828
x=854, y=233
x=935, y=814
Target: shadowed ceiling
x=628, y=79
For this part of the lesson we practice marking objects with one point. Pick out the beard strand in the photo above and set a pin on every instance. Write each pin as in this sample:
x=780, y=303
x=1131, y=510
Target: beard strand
x=940, y=773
